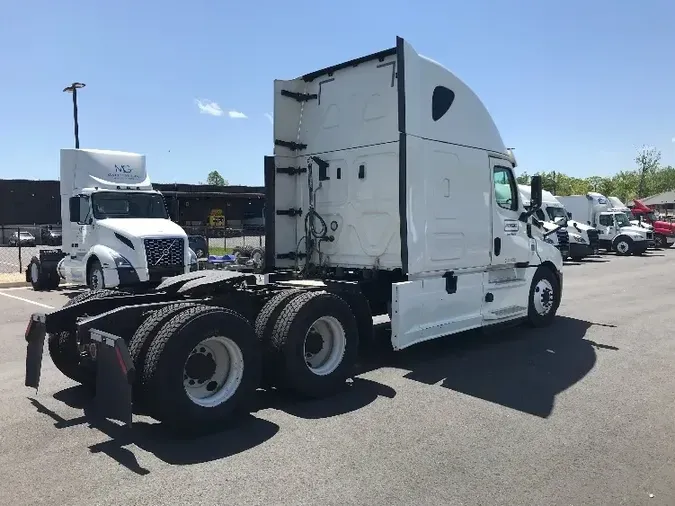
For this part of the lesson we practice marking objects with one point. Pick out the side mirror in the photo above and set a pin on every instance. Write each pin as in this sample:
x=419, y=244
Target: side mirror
x=535, y=192
x=569, y=215
x=74, y=204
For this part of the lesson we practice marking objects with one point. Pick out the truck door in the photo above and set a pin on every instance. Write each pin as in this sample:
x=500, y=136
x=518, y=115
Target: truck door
x=78, y=246
x=510, y=244
x=606, y=228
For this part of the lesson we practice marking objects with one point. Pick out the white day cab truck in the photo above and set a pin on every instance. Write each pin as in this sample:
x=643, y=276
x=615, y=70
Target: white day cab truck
x=548, y=231
x=116, y=229
x=390, y=192
x=584, y=240
x=616, y=231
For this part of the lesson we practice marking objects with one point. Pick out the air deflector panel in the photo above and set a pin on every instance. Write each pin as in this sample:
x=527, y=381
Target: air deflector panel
x=441, y=100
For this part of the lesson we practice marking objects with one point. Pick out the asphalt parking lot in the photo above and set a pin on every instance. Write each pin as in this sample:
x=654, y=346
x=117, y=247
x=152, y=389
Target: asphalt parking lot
x=581, y=413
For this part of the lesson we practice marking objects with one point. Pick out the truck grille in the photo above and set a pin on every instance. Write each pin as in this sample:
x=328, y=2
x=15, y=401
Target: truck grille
x=593, y=238
x=563, y=238
x=168, y=252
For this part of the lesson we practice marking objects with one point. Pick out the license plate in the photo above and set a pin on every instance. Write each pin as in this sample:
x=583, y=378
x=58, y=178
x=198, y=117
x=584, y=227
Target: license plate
x=565, y=252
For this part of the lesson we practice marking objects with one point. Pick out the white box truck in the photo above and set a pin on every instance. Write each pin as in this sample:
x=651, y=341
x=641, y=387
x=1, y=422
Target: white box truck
x=616, y=231
x=116, y=229
x=390, y=191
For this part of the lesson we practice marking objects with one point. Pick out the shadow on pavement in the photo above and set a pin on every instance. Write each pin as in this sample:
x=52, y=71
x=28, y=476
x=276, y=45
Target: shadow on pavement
x=153, y=438
x=594, y=260
x=356, y=395
x=517, y=367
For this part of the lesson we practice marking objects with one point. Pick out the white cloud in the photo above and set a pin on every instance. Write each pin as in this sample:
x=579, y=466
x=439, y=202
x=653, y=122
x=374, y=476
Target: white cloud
x=213, y=109
x=236, y=115
x=673, y=139
x=269, y=117
x=208, y=107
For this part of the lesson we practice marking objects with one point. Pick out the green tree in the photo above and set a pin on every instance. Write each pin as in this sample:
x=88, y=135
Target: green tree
x=214, y=178
x=647, y=160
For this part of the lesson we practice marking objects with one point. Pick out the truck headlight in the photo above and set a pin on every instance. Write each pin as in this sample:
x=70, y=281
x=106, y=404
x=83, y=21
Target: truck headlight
x=121, y=262
x=637, y=237
x=578, y=238
x=550, y=241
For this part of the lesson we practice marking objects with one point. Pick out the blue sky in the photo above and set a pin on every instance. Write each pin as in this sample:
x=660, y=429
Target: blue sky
x=574, y=86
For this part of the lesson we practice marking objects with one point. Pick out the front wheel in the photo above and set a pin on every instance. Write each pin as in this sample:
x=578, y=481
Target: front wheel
x=95, y=279
x=623, y=246
x=544, y=298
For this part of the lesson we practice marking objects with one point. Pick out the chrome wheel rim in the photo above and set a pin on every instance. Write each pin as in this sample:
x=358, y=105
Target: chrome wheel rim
x=544, y=297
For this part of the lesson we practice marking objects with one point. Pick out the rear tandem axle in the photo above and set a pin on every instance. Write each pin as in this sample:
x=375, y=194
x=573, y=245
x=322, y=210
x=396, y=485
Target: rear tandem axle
x=192, y=352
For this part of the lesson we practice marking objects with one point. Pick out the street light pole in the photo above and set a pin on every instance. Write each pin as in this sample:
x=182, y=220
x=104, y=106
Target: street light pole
x=73, y=89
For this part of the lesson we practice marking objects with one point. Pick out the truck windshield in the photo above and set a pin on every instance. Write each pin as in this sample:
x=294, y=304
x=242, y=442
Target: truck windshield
x=556, y=212
x=128, y=205
x=622, y=220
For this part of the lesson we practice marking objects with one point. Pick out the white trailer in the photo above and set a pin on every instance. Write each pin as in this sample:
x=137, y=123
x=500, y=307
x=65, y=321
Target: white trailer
x=616, y=231
x=390, y=192
x=116, y=229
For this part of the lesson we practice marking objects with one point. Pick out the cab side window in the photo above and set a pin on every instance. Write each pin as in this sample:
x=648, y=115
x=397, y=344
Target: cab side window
x=506, y=191
x=606, y=221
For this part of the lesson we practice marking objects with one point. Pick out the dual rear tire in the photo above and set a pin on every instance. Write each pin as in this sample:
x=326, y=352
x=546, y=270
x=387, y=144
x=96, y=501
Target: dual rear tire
x=311, y=342
x=200, y=366
x=42, y=279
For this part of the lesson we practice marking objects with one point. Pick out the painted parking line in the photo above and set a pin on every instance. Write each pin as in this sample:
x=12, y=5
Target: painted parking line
x=5, y=294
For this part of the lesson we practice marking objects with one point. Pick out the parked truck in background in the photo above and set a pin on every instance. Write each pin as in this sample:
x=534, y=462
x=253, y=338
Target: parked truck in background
x=615, y=230
x=550, y=231
x=390, y=192
x=583, y=239
x=116, y=231
x=617, y=205
x=644, y=216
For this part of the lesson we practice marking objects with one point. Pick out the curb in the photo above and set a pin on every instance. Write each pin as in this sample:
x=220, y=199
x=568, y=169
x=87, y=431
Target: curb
x=14, y=284
x=24, y=284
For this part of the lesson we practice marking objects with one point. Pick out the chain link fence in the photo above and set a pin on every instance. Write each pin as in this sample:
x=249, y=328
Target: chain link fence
x=18, y=244
x=209, y=240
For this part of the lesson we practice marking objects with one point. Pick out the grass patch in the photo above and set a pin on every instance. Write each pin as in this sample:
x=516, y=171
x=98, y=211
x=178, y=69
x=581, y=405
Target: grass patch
x=217, y=250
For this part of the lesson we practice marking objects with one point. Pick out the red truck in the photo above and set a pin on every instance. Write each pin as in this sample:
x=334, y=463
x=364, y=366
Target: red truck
x=664, y=231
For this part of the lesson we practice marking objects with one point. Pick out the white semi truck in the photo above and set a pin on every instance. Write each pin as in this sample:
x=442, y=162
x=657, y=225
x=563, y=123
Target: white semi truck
x=116, y=229
x=551, y=231
x=616, y=231
x=584, y=240
x=390, y=192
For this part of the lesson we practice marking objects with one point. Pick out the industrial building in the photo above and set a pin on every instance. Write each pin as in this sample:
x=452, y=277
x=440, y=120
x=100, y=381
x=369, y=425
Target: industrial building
x=201, y=209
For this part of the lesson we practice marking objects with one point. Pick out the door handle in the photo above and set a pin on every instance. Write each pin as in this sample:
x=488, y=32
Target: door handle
x=498, y=246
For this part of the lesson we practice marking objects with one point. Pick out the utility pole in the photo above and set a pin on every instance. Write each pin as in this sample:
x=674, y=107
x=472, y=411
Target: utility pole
x=73, y=89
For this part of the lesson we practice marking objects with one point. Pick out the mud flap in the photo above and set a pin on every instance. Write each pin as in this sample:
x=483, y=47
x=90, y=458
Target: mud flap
x=35, y=337
x=115, y=375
